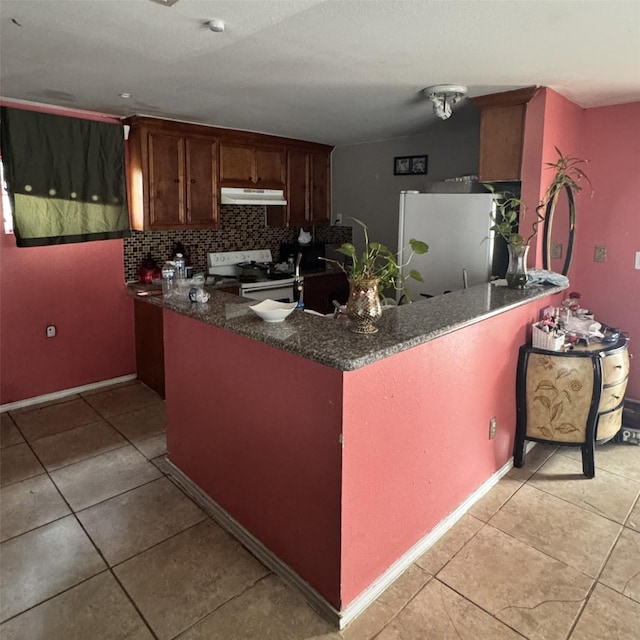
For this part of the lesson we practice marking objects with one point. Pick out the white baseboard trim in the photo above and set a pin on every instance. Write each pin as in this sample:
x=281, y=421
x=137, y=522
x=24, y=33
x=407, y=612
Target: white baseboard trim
x=339, y=618
x=357, y=606
x=266, y=556
x=57, y=395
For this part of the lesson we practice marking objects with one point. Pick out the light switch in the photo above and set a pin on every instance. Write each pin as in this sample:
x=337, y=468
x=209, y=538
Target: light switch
x=637, y=259
x=556, y=250
x=600, y=254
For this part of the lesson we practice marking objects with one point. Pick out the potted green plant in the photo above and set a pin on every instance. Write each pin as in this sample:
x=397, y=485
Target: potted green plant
x=510, y=211
x=369, y=273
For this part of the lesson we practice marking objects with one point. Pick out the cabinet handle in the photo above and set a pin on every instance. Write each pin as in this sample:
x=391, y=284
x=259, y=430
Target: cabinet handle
x=618, y=366
x=616, y=397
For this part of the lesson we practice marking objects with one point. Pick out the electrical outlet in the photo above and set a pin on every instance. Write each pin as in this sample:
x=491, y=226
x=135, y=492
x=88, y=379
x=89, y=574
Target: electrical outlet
x=637, y=259
x=492, y=428
x=600, y=254
x=556, y=250
x=51, y=331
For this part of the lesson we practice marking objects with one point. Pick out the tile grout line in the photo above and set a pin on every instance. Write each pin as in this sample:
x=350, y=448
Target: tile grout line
x=226, y=602
x=584, y=600
x=397, y=613
x=74, y=513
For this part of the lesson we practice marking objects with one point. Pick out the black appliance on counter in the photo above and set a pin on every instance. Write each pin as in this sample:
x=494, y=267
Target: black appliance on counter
x=310, y=254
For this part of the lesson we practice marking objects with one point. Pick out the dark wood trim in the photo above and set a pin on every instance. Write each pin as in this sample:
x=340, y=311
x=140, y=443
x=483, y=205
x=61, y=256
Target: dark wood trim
x=224, y=135
x=506, y=98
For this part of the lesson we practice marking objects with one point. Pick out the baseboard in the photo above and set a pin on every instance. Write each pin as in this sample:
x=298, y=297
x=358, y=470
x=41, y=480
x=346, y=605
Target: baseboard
x=58, y=395
x=357, y=606
x=266, y=556
x=339, y=618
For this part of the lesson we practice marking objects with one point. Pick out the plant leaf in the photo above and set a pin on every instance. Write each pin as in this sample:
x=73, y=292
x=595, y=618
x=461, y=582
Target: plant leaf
x=417, y=246
x=546, y=432
x=556, y=410
x=348, y=249
x=416, y=275
x=562, y=373
x=545, y=384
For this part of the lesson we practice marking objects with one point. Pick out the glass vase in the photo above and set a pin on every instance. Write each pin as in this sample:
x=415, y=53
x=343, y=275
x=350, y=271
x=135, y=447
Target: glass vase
x=517, y=270
x=363, y=306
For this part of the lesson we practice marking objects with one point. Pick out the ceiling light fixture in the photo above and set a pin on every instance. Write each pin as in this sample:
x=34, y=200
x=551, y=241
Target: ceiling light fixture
x=444, y=96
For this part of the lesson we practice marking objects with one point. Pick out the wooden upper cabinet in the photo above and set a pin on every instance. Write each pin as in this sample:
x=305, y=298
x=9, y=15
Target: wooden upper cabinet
x=320, y=188
x=200, y=180
x=297, y=187
x=247, y=165
x=175, y=171
x=172, y=178
x=308, y=188
x=165, y=180
x=270, y=168
x=502, y=120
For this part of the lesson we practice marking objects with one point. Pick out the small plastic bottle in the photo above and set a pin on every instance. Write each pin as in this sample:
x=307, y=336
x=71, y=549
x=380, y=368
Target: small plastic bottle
x=180, y=272
x=168, y=278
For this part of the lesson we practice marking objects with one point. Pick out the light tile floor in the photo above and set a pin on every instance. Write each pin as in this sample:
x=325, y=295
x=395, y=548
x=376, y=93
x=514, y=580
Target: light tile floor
x=98, y=543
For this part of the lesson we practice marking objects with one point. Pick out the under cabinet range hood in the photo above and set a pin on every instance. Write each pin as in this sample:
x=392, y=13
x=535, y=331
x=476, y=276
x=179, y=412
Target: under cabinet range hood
x=252, y=196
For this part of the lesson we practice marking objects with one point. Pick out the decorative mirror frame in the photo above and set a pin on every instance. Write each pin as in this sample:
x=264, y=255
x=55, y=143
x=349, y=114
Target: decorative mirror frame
x=548, y=225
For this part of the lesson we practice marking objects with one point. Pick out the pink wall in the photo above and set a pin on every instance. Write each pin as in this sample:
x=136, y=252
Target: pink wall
x=416, y=439
x=79, y=288
x=258, y=429
x=608, y=138
x=611, y=142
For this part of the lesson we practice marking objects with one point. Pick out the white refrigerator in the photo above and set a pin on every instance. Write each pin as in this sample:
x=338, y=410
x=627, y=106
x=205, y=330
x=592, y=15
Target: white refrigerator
x=456, y=226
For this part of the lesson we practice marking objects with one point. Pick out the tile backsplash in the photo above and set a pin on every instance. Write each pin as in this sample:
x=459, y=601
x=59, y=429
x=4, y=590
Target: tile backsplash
x=241, y=227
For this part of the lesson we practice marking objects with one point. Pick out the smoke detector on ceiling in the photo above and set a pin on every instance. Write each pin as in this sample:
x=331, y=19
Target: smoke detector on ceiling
x=216, y=25
x=444, y=96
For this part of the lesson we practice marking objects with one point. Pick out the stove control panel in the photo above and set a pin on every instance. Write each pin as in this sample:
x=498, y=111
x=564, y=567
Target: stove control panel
x=225, y=262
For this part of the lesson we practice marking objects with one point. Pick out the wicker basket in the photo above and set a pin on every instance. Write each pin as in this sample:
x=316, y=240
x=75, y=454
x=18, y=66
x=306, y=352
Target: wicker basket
x=542, y=340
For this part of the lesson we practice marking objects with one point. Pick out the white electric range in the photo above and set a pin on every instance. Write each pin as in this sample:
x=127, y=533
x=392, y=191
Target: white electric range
x=269, y=283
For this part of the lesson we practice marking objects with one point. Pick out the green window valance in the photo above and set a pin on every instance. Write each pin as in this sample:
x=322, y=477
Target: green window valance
x=65, y=178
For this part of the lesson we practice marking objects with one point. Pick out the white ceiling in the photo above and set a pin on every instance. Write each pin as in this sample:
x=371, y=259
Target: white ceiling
x=333, y=71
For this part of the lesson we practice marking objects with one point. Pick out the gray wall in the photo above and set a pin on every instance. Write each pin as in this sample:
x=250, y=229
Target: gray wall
x=362, y=181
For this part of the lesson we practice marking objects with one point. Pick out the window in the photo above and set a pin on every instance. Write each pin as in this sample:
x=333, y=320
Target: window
x=65, y=178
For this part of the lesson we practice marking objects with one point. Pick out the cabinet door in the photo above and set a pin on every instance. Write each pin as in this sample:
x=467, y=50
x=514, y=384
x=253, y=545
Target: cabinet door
x=202, y=210
x=298, y=188
x=270, y=168
x=236, y=165
x=149, y=345
x=320, y=209
x=166, y=180
x=501, y=143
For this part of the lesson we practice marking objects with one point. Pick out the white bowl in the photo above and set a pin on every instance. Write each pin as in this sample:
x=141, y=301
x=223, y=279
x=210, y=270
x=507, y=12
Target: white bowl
x=272, y=311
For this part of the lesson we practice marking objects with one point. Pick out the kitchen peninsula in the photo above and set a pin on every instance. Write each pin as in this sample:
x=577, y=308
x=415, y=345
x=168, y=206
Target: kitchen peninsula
x=339, y=458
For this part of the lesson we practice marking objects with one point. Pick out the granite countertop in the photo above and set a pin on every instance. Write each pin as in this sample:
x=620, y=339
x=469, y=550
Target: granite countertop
x=330, y=342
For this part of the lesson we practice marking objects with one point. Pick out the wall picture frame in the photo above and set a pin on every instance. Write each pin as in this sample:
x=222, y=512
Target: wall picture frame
x=410, y=165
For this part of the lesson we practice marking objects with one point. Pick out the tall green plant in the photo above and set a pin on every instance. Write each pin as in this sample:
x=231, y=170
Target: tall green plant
x=377, y=261
x=511, y=210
